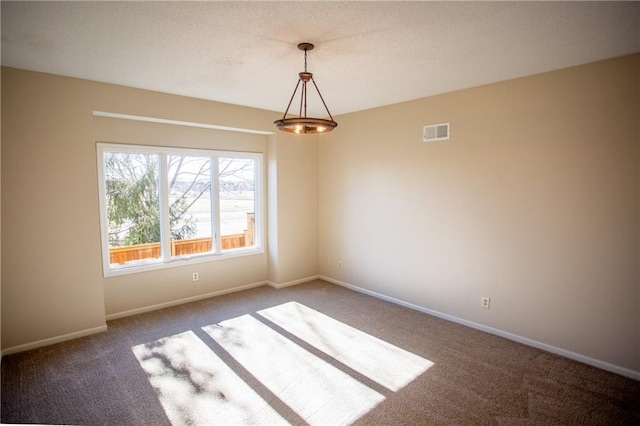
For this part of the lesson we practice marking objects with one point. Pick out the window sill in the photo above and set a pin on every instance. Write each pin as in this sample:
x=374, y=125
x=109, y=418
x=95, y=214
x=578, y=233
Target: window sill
x=135, y=268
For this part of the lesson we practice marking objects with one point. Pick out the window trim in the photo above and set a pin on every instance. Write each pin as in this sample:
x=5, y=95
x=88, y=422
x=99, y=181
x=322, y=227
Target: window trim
x=166, y=261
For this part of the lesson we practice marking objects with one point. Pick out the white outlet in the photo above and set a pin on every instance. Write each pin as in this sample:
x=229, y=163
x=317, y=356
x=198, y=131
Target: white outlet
x=195, y=276
x=485, y=302
x=339, y=264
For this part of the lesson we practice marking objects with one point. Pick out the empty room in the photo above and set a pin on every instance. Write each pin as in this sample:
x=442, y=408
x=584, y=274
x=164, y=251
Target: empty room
x=320, y=213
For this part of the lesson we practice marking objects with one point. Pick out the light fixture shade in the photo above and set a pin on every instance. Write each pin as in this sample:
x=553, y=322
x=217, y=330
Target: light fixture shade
x=302, y=123
x=305, y=125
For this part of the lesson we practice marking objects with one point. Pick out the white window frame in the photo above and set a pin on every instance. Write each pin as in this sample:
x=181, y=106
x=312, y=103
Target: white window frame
x=165, y=260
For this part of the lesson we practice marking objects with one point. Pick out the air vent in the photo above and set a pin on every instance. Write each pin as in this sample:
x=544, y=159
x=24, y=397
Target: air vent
x=436, y=132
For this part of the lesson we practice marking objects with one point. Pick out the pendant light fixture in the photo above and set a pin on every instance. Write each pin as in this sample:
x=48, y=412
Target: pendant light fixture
x=302, y=123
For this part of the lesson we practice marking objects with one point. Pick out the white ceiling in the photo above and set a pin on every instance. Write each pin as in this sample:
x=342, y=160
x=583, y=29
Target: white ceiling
x=367, y=54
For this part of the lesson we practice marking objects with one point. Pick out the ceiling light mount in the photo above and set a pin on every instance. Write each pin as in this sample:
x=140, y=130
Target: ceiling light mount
x=302, y=123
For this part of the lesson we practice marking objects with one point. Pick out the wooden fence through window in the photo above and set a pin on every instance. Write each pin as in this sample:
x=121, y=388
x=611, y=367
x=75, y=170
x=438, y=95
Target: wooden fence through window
x=124, y=254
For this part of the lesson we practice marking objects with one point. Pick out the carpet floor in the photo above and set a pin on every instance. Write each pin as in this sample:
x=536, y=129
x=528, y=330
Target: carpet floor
x=315, y=353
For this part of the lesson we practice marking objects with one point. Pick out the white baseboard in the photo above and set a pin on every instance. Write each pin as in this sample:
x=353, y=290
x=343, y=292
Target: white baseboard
x=295, y=282
x=632, y=374
x=53, y=340
x=183, y=301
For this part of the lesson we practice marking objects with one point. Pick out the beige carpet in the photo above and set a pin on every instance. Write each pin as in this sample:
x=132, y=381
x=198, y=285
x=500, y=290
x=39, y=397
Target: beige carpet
x=310, y=354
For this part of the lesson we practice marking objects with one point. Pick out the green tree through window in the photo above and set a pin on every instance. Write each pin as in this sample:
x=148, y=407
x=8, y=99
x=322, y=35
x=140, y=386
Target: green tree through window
x=133, y=202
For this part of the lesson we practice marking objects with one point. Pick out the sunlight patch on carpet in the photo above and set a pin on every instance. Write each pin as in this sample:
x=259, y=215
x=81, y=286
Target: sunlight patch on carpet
x=382, y=362
x=195, y=386
x=317, y=391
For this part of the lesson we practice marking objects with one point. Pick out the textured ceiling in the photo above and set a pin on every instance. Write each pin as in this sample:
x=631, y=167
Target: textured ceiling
x=367, y=54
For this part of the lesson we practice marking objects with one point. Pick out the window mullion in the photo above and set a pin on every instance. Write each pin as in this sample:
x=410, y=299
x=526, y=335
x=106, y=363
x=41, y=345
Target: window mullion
x=215, y=205
x=165, y=226
x=257, y=202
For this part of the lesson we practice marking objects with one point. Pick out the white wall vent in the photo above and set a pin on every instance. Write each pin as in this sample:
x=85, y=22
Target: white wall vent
x=436, y=132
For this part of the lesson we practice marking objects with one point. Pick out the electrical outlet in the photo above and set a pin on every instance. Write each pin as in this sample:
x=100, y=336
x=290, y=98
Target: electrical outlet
x=485, y=302
x=339, y=264
x=195, y=276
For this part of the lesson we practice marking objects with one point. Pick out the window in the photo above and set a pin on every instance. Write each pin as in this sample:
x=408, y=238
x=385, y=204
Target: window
x=161, y=205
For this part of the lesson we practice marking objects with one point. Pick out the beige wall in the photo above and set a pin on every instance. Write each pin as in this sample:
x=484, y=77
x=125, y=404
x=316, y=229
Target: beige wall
x=297, y=228
x=51, y=262
x=293, y=209
x=533, y=201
